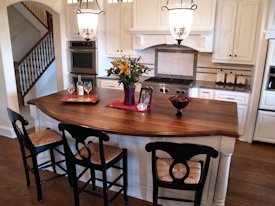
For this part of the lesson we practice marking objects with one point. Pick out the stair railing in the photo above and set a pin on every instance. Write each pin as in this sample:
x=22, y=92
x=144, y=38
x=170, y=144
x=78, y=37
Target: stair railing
x=31, y=67
x=39, y=12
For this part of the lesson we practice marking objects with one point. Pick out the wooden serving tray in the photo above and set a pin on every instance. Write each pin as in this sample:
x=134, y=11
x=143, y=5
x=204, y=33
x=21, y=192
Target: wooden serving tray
x=78, y=99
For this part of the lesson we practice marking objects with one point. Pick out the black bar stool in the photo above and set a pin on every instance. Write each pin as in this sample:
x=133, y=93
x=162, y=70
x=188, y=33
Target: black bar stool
x=93, y=155
x=37, y=143
x=180, y=172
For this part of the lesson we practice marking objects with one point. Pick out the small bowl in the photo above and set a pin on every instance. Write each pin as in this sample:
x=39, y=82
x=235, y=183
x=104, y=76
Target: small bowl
x=180, y=102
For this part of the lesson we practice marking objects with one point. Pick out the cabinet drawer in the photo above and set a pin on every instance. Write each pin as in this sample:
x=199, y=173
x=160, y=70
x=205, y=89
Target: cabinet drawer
x=265, y=129
x=238, y=97
x=110, y=84
x=206, y=93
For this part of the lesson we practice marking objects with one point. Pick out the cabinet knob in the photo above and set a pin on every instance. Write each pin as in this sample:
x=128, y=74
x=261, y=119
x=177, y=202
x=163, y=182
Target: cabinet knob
x=235, y=55
x=117, y=50
x=230, y=55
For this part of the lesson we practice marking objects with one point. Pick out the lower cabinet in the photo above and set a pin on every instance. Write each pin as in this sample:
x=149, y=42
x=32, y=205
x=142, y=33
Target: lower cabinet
x=265, y=130
x=242, y=113
x=241, y=98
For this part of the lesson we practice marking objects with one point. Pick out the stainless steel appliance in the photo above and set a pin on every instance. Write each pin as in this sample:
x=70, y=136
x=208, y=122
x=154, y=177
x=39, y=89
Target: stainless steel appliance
x=175, y=70
x=265, y=130
x=83, y=57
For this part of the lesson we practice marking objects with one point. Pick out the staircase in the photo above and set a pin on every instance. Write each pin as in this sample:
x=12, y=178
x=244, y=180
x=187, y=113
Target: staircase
x=32, y=66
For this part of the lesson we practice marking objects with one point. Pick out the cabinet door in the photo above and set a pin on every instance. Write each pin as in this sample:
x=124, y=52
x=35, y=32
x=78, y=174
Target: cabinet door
x=265, y=130
x=242, y=113
x=112, y=29
x=126, y=22
x=267, y=100
x=204, y=16
x=145, y=14
x=246, y=30
x=225, y=28
x=72, y=26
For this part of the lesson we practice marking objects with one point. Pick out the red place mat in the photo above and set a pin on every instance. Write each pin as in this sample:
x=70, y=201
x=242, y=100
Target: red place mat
x=119, y=105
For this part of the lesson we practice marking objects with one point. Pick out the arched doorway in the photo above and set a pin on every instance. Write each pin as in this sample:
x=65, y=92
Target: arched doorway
x=8, y=85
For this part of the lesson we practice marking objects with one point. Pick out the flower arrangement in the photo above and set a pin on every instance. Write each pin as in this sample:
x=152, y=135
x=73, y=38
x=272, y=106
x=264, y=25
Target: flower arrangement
x=127, y=69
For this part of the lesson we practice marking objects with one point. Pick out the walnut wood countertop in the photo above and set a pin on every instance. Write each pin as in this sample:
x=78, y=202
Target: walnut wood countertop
x=200, y=118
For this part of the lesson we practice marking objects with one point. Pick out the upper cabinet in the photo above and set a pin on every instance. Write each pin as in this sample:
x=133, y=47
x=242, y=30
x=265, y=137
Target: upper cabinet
x=118, y=21
x=149, y=17
x=151, y=25
x=72, y=27
x=236, y=31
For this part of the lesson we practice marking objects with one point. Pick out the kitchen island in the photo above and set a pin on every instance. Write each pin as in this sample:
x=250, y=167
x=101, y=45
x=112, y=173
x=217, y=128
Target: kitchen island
x=208, y=122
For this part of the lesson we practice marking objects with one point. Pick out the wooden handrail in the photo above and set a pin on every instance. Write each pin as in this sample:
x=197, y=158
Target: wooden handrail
x=35, y=15
x=34, y=47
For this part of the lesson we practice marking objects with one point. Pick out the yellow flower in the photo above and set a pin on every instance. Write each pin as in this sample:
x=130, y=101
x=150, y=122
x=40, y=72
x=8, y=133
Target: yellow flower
x=124, y=69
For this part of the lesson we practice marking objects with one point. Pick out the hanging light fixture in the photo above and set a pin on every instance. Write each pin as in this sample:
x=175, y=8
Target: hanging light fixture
x=87, y=20
x=180, y=19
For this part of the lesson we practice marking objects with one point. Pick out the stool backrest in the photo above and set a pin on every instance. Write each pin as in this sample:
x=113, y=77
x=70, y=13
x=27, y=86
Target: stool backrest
x=81, y=134
x=21, y=133
x=181, y=153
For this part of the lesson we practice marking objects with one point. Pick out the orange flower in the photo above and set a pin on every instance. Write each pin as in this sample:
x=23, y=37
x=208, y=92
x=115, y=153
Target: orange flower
x=124, y=69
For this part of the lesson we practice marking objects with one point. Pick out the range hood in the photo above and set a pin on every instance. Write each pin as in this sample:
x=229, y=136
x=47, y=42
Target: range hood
x=201, y=41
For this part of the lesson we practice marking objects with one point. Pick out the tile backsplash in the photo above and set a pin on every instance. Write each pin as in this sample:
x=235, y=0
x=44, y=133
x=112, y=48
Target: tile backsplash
x=206, y=69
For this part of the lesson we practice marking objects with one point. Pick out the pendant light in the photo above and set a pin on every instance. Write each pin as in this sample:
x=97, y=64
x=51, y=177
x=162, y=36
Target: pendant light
x=87, y=20
x=180, y=19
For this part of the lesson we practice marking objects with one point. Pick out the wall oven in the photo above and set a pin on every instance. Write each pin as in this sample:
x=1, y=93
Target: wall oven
x=83, y=57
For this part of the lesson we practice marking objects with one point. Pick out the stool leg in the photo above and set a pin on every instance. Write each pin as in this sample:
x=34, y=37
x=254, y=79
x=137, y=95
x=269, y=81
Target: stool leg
x=53, y=160
x=25, y=166
x=37, y=177
x=155, y=195
x=105, y=195
x=198, y=198
x=125, y=176
x=93, y=179
x=75, y=186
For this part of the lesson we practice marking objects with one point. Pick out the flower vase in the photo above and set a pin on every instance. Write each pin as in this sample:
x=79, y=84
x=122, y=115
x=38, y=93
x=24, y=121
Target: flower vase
x=129, y=95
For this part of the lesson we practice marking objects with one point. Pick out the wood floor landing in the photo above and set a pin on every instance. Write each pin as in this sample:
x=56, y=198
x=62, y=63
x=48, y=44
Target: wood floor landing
x=251, y=183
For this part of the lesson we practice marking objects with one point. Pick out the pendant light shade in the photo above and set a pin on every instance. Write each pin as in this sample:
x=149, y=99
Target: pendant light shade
x=87, y=23
x=87, y=20
x=180, y=19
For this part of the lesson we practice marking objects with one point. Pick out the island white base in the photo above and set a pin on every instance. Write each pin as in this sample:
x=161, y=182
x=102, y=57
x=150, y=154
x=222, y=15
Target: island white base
x=140, y=170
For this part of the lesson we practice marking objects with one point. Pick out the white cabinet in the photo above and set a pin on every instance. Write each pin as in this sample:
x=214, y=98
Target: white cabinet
x=118, y=21
x=109, y=84
x=238, y=97
x=236, y=31
x=242, y=113
x=113, y=84
x=265, y=130
x=149, y=16
x=241, y=98
x=206, y=93
x=72, y=26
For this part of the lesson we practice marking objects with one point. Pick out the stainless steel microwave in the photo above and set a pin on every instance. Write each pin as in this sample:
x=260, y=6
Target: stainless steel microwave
x=83, y=57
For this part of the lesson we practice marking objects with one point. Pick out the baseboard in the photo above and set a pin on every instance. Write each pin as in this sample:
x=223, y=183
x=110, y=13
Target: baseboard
x=7, y=132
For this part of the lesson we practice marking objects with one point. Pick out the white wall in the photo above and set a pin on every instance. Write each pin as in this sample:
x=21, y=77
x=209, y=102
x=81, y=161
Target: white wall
x=23, y=34
x=8, y=91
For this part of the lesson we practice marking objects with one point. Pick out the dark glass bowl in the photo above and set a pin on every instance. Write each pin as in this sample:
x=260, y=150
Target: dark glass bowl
x=180, y=102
